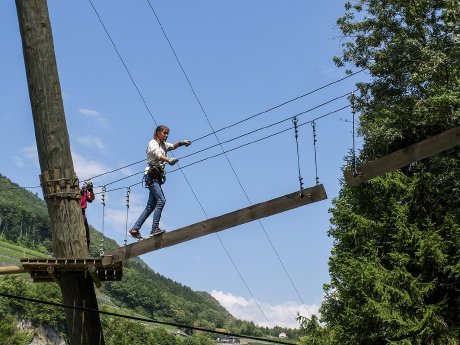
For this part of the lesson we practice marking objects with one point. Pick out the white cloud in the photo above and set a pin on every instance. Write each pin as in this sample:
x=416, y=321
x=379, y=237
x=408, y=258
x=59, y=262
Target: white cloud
x=116, y=216
x=19, y=161
x=91, y=142
x=89, y=112
x=86, y=168
x=29, y=155
x=283, y=315
x=95, y=117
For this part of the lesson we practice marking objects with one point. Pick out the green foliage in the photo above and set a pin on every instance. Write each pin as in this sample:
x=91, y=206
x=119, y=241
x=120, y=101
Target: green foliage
x=161, y=298
x=395, y=263
x=23, y=217
x=313, y=332
x=38, y=314
x=9, y=333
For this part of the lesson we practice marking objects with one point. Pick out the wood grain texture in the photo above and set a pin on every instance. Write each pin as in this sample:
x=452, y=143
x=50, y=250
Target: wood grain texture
x=404, y=157
x=229, y=220
x=53, y=146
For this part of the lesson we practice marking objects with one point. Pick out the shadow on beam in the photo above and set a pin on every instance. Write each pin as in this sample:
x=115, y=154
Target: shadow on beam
x=404, y=157
x=229, y=220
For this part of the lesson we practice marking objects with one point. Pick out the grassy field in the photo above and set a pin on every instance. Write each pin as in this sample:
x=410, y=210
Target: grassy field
x=11, y=254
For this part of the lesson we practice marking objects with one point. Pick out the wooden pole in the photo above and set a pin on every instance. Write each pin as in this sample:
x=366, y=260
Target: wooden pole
x=60, y=186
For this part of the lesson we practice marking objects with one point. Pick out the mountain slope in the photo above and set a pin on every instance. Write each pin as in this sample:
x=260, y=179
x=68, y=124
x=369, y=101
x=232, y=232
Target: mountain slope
x=24, y=229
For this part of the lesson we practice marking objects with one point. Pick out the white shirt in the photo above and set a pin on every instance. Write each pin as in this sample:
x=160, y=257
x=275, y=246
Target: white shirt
x=155, y=151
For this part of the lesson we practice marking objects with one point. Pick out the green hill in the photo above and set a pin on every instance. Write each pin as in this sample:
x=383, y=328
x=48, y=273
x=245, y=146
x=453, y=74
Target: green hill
x=25, y=232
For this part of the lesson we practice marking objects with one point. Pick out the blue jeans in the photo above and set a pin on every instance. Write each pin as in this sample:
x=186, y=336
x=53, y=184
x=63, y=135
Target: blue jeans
x=155, y=204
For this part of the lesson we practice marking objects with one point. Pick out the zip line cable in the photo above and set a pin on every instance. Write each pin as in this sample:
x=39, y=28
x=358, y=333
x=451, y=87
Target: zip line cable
x=249, y=117
x=206, y=158
x=114, y=170
x=221, y=145
x=270, y=125
x=188, y=80
x=234, y=138
x=136, y=318
x=229, y=150
x=151, y=115
x=209, y=147
x=260, y=139
x=279, y=105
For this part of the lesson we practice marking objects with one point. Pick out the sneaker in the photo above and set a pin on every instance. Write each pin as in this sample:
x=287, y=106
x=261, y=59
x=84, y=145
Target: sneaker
x=135, y=234
x=156, y=232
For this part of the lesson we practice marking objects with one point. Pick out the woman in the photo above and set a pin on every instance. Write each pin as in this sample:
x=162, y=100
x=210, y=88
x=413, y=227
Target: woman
x=157, y=150
x=86, y=195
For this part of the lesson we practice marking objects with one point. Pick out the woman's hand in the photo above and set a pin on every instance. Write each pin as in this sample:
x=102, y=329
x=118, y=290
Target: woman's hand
x=185, y=143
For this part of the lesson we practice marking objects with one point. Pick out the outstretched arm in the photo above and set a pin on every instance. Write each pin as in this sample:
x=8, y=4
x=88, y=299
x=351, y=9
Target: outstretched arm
x=181, y=143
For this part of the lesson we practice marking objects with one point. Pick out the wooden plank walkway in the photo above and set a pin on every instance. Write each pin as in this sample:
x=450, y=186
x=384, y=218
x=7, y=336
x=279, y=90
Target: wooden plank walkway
x=403, y=157
x=52, y=269
x=206, y=227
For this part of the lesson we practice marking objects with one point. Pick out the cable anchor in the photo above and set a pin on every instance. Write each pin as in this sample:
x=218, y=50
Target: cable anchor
x=101, y=246
x=296, y=134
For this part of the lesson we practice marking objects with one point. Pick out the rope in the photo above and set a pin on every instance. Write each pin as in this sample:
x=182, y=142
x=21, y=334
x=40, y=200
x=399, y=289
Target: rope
x=128, y=191
x=296, y=135
x=313, y=125
x=101, y=247
x=234, y=138
x=277, y=106
x=229, y=150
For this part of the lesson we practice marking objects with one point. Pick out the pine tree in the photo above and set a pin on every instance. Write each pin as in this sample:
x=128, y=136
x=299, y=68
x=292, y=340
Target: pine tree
x=395, y=263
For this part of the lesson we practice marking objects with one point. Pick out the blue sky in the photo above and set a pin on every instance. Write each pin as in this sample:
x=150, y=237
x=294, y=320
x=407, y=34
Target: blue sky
x=242, y=58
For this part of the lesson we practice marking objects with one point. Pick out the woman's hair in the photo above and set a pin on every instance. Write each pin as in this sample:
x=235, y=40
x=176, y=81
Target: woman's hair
x=159, y=129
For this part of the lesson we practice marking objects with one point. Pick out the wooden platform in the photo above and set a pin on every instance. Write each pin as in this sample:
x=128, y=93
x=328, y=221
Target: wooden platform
x=48, y=270
x=404, y=157
x=206, y=227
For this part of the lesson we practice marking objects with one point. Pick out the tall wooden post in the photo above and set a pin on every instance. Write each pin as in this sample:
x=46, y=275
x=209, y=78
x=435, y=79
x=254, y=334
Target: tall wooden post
x=60, y=187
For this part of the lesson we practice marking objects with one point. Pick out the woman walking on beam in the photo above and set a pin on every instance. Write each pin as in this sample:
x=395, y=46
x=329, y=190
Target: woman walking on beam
x=154, y=177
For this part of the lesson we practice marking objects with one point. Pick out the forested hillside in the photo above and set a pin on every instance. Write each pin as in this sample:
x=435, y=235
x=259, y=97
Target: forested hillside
x=23, y=217
x=24, y=232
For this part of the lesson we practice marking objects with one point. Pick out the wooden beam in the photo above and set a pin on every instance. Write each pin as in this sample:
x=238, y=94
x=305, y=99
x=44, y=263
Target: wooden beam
x=403, y=157
x=93, y=273
x=11, y=269
x=206, y=227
